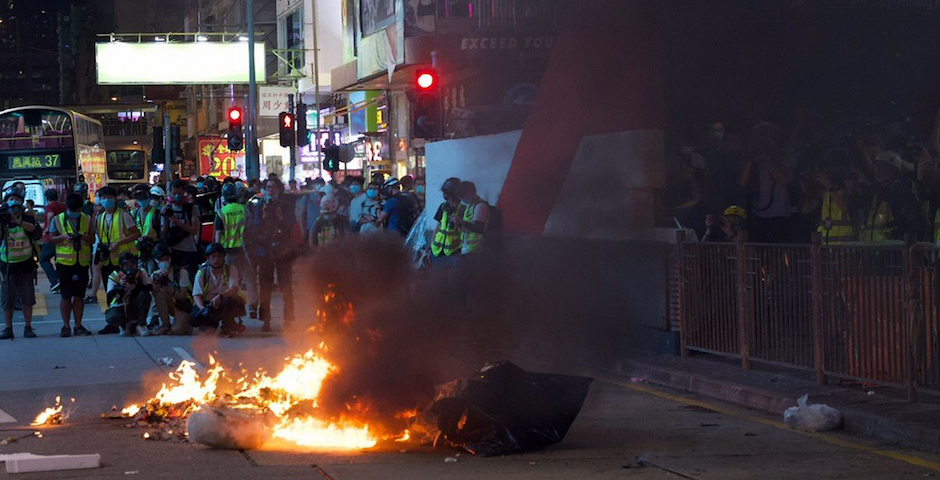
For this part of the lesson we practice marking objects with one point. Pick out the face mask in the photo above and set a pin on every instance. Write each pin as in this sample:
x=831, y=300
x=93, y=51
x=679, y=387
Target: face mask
x=130, y=204
x=74, y=214
x=129, y=270
x=163, y=265
x=355, y=189
x=373, y=194
x=419, y=189
x=155, y=204
x=13, y=203
x=178, y=198
x=108, y=203
x=200, y=185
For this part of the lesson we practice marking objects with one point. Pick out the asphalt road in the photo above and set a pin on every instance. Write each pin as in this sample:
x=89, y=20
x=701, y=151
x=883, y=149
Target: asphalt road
x=626, y=430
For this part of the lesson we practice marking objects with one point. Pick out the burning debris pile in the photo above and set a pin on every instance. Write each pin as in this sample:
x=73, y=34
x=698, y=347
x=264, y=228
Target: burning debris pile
x=53, y=415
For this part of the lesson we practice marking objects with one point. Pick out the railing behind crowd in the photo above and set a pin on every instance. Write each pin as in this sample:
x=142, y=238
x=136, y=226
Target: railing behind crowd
x=866, y=313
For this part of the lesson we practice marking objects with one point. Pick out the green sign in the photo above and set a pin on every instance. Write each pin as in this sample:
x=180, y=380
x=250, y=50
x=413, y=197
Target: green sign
x=28, y=162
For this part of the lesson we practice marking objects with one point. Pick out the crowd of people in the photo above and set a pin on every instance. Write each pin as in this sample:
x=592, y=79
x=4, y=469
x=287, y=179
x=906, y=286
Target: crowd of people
x=149, y=250
x=871, y=181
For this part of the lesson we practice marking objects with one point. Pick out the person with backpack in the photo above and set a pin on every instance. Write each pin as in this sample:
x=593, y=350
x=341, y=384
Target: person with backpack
x=400, y=210
x=217, y=300
x=172, y=294
x=129, y=296
x=474, y=220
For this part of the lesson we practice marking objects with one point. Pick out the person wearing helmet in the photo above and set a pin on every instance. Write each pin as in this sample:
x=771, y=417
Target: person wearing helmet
x=172, y=294
x=268, y=240
x=71, y=235
x=446, y=241
x=230, y=223
x=331, y=226
x=400, y=209
x=18, y=232
x=217, y=300
x=728, y=227
x=129, y=296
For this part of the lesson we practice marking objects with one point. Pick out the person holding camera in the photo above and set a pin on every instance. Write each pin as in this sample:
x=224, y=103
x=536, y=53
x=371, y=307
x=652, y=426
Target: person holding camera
x=268, y=240
x=18, y=231
x=180, y=227
x=731, y=226
x=70, y=232
x=129, y=296
x=216, y=296
x=117, y=234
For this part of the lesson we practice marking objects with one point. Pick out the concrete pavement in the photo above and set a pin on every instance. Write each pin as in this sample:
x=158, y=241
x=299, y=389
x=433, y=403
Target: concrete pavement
x=673, y=434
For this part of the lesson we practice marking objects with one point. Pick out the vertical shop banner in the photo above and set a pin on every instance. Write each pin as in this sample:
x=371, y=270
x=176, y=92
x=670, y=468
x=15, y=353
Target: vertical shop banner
x=217, y=160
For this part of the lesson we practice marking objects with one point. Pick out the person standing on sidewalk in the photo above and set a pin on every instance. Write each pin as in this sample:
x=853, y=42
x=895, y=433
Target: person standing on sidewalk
x=71, y=235
x=18, y=231
x=53, y=208
x=230, y=225
x=270, y=223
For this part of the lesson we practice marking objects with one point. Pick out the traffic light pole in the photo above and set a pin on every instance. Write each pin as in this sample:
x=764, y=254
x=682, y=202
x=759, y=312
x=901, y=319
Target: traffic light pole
x=252, y=166
x=167, y=165
x=293, y=148
x=316, y=91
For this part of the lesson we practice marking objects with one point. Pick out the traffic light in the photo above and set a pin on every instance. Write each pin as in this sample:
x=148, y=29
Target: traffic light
x=176, y=152
x=427, y=115
x=158, y=153
x=236, y=138
x=303, y=136
x=331, y=158
x=287, y=133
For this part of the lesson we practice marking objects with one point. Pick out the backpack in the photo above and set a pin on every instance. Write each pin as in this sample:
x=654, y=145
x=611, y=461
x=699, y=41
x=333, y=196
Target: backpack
x=409, y=214
x=175, y=234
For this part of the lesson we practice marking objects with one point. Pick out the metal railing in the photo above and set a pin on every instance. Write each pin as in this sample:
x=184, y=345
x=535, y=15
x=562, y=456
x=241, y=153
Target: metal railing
x=866, y=313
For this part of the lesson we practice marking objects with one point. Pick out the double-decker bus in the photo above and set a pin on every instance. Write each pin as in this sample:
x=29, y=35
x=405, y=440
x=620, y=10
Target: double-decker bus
x=54, y=145
x=127, y=167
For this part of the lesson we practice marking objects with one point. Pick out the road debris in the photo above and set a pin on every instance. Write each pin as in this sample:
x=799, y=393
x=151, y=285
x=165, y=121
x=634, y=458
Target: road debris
x=165, y=362
x=53, y=415
x=22, y=463
x=227, y=428
x=815, y=418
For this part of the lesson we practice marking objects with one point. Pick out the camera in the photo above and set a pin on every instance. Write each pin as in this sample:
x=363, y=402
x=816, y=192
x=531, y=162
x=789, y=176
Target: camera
x=145, y=246
x=102, y=252
x=6, y=216
x=76, y=242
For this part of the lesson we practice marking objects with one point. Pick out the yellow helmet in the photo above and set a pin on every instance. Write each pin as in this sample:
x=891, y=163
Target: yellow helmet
x=736, y=210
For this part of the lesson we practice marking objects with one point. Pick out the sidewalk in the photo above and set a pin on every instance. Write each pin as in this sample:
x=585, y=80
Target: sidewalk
x=881, y=413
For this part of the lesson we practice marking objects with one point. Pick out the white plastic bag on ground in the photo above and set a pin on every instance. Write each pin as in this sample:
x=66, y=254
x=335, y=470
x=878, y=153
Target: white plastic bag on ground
x=815, y=418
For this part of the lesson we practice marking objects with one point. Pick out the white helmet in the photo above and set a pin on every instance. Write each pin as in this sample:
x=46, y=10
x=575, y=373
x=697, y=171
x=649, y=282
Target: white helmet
x=329, y=204
x=157, y=192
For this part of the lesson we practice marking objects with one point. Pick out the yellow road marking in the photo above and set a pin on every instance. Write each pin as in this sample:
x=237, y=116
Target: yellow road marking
x=903, y=457
x=40, y=309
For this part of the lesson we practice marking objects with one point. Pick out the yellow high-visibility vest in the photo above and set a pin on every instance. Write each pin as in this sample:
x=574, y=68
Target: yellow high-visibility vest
x=65, y=253
x=234, y=220
x=112, y=232
x=447, y=239
x=834, y=224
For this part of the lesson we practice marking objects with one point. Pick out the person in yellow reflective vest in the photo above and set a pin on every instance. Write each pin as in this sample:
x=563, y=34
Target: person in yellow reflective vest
x=230, y=223
x=474, y=220
x=18, y=231
x=117, y=233
x=446, y=240
x=147, y=218
x=835, y=224
x=894, y=214
x=72, y=236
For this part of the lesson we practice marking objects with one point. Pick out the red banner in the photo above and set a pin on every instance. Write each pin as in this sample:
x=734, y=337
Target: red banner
x=217, y=160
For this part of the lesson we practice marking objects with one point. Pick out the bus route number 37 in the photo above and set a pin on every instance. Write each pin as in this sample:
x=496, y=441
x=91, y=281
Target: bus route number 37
x=35, y=161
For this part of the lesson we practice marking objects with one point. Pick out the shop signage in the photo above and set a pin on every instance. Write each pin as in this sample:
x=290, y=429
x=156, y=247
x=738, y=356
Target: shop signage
x=536, y=43
x=217, y=160
x=273, y=100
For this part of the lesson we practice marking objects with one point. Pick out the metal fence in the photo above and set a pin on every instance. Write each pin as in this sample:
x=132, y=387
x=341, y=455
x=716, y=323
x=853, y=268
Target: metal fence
x=865, y=313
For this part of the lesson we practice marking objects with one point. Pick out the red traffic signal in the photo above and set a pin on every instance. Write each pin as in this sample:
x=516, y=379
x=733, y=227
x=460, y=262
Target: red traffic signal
x=286, y=133
x=425, y=79
x=235, y=117
x=287, y=120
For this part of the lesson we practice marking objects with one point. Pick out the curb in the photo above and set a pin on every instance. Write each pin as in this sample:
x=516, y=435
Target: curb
x=855, y=422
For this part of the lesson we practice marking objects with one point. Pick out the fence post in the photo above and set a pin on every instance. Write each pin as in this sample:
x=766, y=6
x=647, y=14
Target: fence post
x=743, y=323
x=912, y=310
x=816, y=299
x=680, y=281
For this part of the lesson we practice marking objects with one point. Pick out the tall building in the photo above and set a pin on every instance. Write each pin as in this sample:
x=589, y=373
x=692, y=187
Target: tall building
x=29, y=53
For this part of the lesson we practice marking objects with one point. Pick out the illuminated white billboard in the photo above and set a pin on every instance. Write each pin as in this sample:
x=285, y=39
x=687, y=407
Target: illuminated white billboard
x=162, y=63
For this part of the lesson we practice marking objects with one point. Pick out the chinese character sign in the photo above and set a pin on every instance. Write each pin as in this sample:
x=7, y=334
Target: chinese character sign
x=273, y=100
x=217, y=160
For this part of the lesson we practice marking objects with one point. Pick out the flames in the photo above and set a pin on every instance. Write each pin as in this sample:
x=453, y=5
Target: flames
x=286, y=400
x=53, y=415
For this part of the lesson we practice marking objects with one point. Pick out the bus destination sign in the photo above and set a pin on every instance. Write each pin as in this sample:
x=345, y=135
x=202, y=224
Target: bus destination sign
x=29, y=162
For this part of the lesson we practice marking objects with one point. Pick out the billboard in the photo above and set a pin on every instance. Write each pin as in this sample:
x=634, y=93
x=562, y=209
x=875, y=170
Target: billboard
x=217, y=160
x=163, y=63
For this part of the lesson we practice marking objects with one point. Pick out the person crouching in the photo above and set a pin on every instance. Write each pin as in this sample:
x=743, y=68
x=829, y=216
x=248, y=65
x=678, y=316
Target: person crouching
x=217, y=298
x=129, y=295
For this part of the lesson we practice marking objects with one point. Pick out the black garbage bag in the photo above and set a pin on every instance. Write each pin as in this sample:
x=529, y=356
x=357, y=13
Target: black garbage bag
x=503, y=409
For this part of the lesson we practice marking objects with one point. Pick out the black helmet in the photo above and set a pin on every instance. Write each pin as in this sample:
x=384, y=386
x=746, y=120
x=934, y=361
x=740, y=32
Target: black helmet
x=450, y=185
x=160, y=250
x=127, y=257
x=213, y=248
x=230, y=192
